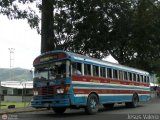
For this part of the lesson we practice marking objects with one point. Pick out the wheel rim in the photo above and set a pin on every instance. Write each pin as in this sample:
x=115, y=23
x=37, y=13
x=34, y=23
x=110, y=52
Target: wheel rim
x=93, y=103
x=135, y=100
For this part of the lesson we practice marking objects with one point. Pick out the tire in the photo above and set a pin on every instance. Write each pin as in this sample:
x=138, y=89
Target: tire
x=92, y=104
x=59, y=110
x=134, y=102
x=109, y=105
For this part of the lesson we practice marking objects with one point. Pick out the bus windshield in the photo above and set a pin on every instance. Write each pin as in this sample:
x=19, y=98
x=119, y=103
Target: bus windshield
x=55, y=70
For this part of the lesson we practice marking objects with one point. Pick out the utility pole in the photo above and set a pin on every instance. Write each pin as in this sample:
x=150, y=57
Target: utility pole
x=11, y=65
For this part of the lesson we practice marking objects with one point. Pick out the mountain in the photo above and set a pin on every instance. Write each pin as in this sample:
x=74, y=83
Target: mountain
x=19, y=74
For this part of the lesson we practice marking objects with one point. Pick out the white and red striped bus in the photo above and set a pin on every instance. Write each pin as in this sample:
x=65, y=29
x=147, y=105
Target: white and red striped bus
x=68, y=80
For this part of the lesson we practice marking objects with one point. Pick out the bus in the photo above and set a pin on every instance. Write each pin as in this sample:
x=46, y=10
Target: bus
x=68, y=80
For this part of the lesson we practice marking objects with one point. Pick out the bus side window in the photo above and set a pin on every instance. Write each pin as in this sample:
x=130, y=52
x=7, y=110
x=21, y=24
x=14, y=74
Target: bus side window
x=115, y=74
x=77, y=68
x=134, y=77
x=95, y=70
x=130, y=76
x=109, y=73
x=125, y=76
x=141, y=78
x=120, y=75
x=145, y=79
x=102, y=72
x=87, y=69
x=138, y=78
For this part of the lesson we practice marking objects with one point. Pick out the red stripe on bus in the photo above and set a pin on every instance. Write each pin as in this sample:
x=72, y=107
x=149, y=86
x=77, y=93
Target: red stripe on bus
x=107, y=80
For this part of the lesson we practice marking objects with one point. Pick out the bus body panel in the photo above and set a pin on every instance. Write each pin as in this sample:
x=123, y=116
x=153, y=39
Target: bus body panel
x=108, y=90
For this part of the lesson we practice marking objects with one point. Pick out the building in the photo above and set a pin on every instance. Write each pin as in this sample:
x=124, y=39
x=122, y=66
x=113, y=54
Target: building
x=16, y=90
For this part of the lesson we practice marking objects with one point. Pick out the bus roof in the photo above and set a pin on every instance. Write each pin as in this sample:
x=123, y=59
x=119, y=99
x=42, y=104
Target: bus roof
x=79, y=57
x=102, y=62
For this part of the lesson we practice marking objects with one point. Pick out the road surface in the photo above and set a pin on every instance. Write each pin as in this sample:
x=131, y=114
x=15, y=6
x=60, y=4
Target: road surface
x=145, y=111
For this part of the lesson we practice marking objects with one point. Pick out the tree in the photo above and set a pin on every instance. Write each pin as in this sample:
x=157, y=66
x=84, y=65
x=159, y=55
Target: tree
x=121, y=34
x=20, y=9
x=89, y=25
x=91, y=28
x=146, y=41
x=48, y=41
x=126, y=29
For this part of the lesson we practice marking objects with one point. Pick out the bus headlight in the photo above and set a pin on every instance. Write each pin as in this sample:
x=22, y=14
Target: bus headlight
x=60, y=91
x=35, y=92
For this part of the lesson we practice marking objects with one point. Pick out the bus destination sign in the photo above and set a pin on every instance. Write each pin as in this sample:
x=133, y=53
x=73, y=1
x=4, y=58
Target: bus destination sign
x=48, y=58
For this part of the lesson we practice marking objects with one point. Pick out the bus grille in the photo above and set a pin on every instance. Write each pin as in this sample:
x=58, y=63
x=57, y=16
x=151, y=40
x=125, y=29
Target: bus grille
x=46, y=90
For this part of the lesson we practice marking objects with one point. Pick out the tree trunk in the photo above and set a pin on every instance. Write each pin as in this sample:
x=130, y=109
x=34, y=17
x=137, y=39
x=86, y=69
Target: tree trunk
x=47, y=34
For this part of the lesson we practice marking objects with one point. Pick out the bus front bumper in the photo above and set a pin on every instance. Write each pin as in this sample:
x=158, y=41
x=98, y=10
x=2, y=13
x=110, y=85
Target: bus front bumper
x=52, y=101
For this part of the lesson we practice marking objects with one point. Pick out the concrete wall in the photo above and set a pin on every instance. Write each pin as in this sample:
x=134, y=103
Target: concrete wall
x=17, y=98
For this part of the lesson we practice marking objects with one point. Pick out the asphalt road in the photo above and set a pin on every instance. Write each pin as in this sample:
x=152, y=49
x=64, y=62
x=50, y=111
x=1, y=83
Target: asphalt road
x=145, y=111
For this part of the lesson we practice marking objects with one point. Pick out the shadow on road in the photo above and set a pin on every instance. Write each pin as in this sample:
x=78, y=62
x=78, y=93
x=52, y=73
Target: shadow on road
x=81, y=113
x=119, y=112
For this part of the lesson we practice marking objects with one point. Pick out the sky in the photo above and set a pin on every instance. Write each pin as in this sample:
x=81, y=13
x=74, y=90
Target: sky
x=18, y=35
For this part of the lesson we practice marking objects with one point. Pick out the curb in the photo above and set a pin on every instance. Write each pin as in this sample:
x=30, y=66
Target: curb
x=20, y=111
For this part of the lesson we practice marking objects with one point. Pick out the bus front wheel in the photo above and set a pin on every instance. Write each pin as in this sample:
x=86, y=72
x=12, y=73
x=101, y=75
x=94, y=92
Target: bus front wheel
x=92, y=104
x=59, y=110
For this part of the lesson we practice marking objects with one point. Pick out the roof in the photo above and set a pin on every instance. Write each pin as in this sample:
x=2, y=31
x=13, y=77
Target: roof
x=79, y=57
x=102, y=62
x=17, y=84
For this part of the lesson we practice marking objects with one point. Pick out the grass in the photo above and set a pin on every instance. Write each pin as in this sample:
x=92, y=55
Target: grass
x=5, y=104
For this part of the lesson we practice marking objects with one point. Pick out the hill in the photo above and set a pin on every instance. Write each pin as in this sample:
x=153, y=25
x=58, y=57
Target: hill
x=19, y=74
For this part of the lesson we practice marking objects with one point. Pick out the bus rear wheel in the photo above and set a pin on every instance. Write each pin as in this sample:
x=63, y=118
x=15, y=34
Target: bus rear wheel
x=59, y=110
x=92, y=104
x=134, y=103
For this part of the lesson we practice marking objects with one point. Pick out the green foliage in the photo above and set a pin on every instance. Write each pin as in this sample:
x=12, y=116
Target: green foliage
x=87, y=27
x=126, y=29
x=145, y=40
x=20, y=9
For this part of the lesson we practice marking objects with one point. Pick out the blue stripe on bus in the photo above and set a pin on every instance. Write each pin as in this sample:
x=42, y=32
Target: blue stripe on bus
x=111, y=99
x=109, y=86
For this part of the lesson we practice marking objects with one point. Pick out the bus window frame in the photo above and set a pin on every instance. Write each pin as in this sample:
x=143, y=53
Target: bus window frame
x=78, y=71
x=103, y=71
x=95, y=70
x=115, y=74
x=109, y=72
x=90, y=69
